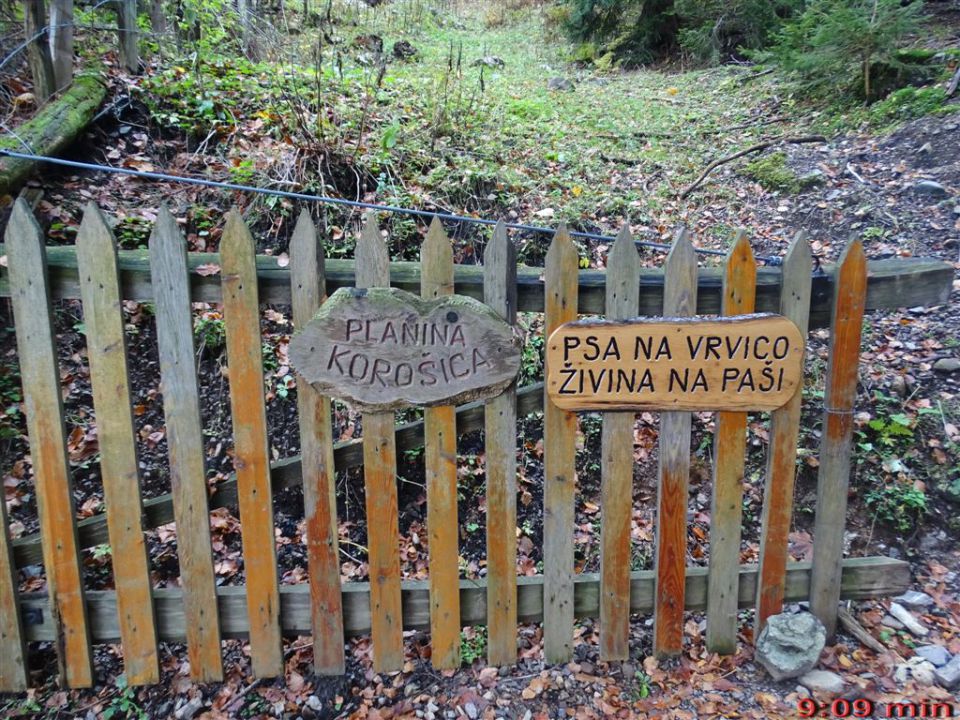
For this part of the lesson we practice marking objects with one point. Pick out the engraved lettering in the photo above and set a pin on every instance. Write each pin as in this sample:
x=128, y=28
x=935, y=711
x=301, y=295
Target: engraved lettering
x=353, y=326
x=335, y=358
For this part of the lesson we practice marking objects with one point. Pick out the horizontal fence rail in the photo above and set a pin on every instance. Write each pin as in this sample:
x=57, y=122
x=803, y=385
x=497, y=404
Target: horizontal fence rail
x=892, y=283
x=867, y=577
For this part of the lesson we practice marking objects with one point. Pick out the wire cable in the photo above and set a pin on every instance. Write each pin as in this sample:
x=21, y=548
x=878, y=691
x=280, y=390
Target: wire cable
x=449, y=217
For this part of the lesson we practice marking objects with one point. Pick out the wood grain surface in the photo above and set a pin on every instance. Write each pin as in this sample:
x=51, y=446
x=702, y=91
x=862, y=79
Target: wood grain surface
x=680, y=299
x=241, y=313
x=440, y=463
x=380, y=479
x=781, y=470
x=40, y=377
x=119, y=467
x=840, y=394
x=181, y=409
x=559, y=455
x=308, y=287
x=500, y=445
x=616, y=471
x=729, y=451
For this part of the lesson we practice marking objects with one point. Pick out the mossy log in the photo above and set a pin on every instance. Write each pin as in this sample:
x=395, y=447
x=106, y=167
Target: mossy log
x=51, y=130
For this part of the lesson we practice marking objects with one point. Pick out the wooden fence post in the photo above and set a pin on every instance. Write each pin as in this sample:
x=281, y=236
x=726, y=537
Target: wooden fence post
x=37, y=352
x=181, y=409
x=38, y=48
x=440, y=460
x=840, y=395
x=128, y=35
x=726, y=510
x=777, y=512
x=679, y=300
x=307, y=289
x=559, y=461
x=107, y=353
x=500, y=427
x=616, y=470
x=241, y=313
x=61, y=41
x=380, y=475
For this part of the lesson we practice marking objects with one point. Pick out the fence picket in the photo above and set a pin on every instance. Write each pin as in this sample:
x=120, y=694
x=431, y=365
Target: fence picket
x=241, y=314
x=181, y=408
x=316, y=451
x=440, y=458
x=13, y=651
x=40, y=375
x=500, y=421
x=107, y=353
x=559, y=458
x=380, y=477
x=782, y=454
x=726, y=511
x=840, y=395
x=616, y=470
x=679, y=300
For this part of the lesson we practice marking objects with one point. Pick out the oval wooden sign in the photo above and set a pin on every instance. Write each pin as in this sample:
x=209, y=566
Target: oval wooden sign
x=383, y=349
x=741, y=362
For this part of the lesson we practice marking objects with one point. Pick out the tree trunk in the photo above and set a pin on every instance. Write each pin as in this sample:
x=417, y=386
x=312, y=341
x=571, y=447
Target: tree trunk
x=158, y=22
x=38, y=49
x=54, y=128
x=61, y=41
x=127, y=30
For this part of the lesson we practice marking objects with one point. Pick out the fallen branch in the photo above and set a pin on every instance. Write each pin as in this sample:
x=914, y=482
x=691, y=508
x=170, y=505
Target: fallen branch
x=850, y=624
x=752, y=149
x=754, y=76
x=54, y=128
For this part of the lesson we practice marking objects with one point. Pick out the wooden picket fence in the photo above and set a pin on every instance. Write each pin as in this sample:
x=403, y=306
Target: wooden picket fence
x=202, y=614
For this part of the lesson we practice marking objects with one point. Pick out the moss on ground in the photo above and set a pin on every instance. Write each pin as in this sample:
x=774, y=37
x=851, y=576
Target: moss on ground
x=772, y=172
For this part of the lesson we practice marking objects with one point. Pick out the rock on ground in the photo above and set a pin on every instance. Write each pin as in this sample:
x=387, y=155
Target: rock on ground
x=914, y=599
x=949, y=675
x=936, y=655
x=790, y=644
x=907, y=618
x=918, y=669
x=930, y=188
x=559, y=83
x=822, y=681
x=947, y=365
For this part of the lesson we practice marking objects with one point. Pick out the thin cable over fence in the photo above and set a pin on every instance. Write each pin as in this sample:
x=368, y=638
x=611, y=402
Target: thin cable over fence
x=449, y=217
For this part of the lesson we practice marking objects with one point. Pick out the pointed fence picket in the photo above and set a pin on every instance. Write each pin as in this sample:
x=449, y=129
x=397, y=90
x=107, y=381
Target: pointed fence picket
x=380, y=478
x=840, y=394
x=679, y=300
x=500, y=443
x=262, y=610
x=616, y=470
x=241, y=314
x=781, y=467
x=119, y=465
x=181, y=409
x=36, y=349
x=440, y=457
x=729, y=451
x=559, y=458
x=308, y=287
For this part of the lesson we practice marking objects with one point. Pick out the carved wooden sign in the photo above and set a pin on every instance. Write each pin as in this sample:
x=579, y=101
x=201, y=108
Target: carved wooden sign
x=382, y=349
x=742, y=362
